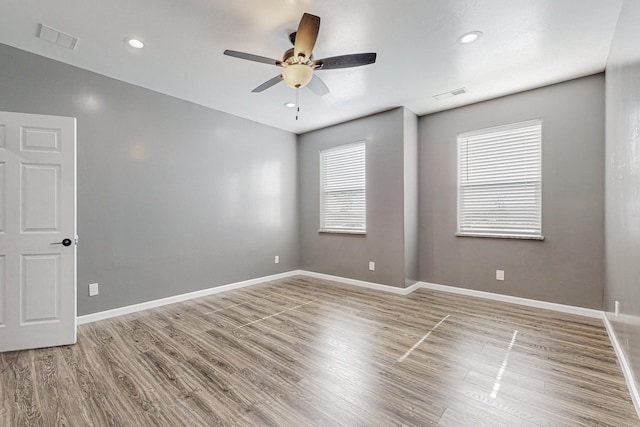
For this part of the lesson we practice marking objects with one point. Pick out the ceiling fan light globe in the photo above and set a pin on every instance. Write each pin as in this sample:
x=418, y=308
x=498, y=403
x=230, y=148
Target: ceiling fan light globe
x=297, y=75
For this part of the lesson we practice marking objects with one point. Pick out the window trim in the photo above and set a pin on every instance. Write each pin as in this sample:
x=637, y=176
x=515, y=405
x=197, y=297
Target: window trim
x=488, y=130
x=326, y=230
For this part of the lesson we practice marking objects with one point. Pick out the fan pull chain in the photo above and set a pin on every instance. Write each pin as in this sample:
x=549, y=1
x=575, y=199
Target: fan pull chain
x=297, y=103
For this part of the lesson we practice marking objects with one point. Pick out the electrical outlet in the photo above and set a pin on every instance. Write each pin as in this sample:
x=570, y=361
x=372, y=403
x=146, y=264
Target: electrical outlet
x=616, y=308
x=93, y=289
x=276, y=260
x=499, y=274
x=372, y=266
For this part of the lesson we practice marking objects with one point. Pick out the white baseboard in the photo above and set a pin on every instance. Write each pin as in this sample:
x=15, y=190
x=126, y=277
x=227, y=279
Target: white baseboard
x=581, y=311
x=624, y=363
x=120, y=311
x=362, y=283
x=94, y=317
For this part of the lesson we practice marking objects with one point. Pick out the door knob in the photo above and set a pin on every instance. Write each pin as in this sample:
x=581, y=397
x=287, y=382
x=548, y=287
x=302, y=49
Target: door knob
x=65, y=242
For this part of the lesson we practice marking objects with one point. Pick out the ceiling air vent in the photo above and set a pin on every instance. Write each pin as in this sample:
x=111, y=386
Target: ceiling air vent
x=451, y=93
x=57, y=37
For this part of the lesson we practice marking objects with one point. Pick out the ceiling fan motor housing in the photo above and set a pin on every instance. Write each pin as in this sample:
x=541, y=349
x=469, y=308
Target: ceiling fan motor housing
x=289, y=54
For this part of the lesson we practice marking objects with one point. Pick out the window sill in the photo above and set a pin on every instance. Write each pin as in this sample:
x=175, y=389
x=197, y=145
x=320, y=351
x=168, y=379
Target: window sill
x=356, y=232
x=500, y=236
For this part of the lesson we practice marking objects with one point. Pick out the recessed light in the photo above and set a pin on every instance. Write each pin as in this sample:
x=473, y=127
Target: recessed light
x=135, y=43
x=289, y=104
x=469, y=37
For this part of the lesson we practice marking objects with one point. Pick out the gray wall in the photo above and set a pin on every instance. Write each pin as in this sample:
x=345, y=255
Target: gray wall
x=349, y=255
x=623, y=183
x=410, y=148
x=172, y=197
x=568, y=266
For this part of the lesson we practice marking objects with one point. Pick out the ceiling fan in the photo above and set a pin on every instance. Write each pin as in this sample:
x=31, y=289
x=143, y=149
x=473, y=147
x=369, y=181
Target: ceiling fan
x=297, y=63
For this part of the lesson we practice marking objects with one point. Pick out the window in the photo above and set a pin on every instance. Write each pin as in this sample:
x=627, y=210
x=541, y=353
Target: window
x=499, y=182
x=343, y=189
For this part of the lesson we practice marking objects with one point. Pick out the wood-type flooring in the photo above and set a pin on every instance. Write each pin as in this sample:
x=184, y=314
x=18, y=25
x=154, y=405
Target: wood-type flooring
x=309, y=352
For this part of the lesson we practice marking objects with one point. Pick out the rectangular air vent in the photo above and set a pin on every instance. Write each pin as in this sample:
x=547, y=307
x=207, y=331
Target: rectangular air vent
x=451, y=93
x=57, y=37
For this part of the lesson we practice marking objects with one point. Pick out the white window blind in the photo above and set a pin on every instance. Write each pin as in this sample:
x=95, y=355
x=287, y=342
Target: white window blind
x=499, y=176
x=343, y=189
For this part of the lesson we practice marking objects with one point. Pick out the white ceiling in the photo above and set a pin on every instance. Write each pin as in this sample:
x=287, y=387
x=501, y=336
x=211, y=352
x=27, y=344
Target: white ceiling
x=525, y=44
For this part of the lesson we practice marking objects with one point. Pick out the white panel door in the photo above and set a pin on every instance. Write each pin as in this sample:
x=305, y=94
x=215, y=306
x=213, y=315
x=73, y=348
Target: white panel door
x=37, y=231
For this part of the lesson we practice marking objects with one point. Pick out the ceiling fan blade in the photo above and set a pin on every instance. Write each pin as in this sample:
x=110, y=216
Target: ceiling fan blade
x=306, y=35
x=266, y=85
x=317, y=86
x=345, y=61
x=251, y=57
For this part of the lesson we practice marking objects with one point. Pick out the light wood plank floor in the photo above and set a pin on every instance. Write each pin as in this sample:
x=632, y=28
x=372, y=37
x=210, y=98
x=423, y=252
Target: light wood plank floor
x=303, y=351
